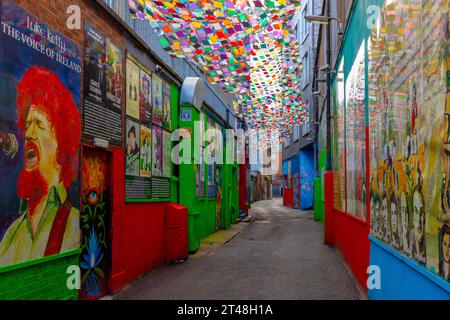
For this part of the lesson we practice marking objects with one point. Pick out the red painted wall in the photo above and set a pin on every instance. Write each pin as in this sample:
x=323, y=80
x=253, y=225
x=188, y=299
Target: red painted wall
x=138, y=231
x=243, y=188
x=288, y=198
x=351, y=237
x=348, y=233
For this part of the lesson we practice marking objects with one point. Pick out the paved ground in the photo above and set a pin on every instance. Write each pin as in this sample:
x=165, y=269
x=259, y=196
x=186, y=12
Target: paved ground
x=280, y=255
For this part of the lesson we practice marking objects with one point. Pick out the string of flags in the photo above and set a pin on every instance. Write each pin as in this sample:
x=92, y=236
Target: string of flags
x=246, y=47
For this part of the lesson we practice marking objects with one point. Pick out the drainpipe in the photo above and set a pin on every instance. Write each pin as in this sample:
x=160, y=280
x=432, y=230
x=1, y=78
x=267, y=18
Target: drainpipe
x=329, y=89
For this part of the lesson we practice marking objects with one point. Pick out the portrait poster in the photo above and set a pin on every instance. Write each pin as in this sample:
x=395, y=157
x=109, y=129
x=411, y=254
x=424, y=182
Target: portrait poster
x=145, y=97
x=113, y=75
x=157, y=160
x=167, y=154
x=37, y=166
x=167, y=106
x=102, y=106
x=132, y=167
x=157, y=92
x=93, y=58
x=133, y=89
x=146, y=152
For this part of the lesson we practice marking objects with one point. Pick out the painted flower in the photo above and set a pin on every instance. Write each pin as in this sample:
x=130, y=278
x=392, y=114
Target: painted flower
x=94, y=255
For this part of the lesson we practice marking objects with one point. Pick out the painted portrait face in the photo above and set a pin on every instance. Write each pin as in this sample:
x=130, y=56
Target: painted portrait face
x=394, y=215
x=418, y=218
x=384, y=214
x=41, y=147
x=404, y=213
x=446, y=247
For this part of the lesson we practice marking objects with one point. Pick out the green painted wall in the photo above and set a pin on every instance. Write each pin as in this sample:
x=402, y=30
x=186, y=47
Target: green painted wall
x=202, y=210
x=175, y=96
x=43, y=279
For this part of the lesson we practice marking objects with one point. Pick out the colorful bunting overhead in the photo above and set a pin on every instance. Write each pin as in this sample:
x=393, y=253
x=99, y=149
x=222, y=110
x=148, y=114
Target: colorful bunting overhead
x=246, y=47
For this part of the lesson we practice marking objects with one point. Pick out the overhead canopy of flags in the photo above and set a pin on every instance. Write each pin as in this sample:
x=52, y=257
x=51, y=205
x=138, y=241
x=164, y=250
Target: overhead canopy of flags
x=246, y=47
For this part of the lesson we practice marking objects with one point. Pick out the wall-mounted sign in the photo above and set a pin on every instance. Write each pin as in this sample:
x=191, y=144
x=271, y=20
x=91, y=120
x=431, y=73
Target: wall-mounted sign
x=186, y=115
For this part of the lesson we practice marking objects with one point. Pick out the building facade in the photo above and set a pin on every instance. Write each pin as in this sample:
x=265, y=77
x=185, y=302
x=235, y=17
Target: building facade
x=385, y=205
x=300, y=150
x=95, y=202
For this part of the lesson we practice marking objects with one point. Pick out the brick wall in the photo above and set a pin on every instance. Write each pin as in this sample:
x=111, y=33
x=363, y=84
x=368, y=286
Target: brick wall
x=41, y=281
x=137, y=230
x=46, y=279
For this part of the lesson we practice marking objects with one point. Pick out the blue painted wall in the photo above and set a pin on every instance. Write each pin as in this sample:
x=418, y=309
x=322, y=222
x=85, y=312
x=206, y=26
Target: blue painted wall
x=404, y=279
x=307, y=175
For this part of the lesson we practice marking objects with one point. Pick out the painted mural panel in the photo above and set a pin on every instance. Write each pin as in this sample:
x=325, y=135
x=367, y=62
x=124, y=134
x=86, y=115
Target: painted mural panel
x=408, y=86
x=355, y=136
x=40, y=76
x=94, y=259
x=306, y=178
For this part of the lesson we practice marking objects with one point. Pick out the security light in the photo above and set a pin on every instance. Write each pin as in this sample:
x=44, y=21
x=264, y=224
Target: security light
x=325, y=20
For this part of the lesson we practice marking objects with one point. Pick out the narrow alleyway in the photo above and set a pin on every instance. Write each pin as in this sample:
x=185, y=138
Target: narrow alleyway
x=279, y=256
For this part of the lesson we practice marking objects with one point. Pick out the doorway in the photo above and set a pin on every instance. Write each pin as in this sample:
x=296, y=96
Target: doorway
x=95, y=222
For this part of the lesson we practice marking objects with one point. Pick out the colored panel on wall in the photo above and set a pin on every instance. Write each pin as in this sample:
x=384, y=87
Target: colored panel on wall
x=94, y=259
x=306, y=178
x=402, y=278
x=40, y=133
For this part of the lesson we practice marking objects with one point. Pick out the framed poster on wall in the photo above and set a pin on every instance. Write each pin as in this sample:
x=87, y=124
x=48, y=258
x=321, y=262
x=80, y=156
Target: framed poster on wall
x=157, y=92
x=103, y=87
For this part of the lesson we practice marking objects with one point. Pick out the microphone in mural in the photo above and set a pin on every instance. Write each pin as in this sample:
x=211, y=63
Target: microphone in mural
x=9, y=144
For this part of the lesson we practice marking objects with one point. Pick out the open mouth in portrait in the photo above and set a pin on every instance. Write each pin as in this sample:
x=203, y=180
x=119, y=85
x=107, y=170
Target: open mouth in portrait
x=32, y=156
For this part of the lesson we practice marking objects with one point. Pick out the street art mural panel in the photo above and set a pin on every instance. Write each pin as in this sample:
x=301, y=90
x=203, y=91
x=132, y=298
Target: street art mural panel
x=409, y=116
x=94, y=260
x=39, y=139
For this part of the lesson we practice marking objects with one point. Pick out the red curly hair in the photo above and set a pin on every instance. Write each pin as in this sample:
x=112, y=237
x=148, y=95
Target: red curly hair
x=44, y=90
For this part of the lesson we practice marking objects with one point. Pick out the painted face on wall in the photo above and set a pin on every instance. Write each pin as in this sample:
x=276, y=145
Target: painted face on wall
x=394, y=215
x=404, y=215
x=41, y=147
x=418, y=219
x=446, y=247
x=384, y=214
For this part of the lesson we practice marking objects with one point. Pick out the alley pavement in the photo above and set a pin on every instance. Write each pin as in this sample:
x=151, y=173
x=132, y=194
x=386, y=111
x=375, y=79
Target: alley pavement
x=279, y=256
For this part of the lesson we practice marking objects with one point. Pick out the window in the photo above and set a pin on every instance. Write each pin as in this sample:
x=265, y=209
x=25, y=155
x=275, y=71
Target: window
x=305, y=72
x=304, y=24
x=307, y=124
x=296, y=133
